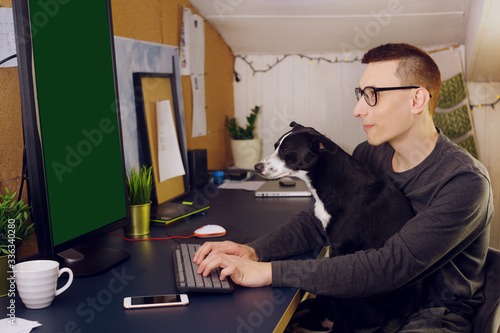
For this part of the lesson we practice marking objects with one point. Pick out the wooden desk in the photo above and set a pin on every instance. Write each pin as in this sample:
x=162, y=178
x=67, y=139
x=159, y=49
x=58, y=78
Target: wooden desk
x=94, y=304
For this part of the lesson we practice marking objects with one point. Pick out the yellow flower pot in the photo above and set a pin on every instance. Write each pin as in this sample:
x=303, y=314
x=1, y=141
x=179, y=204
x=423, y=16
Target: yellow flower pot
x=139, y=220
x=4, y=268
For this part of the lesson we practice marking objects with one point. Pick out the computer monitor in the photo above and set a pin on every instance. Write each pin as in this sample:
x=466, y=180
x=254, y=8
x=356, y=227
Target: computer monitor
x=71, y=122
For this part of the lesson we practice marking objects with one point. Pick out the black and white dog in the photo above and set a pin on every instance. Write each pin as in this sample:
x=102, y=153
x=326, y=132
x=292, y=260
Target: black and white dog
x=358, y=210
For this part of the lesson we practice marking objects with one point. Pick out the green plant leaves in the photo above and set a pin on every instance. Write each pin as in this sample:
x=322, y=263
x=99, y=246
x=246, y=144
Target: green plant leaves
x=239, y=133
x=140, y=184
x=14, y=227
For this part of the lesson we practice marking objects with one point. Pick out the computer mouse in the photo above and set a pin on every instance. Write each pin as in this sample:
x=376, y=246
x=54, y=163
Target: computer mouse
x=210, y=230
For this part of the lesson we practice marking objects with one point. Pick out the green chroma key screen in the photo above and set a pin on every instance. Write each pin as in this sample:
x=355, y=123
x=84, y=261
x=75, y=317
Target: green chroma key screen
x=79, y=127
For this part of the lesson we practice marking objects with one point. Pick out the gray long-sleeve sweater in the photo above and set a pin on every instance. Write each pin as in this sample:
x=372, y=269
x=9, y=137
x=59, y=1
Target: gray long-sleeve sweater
x=451, y=194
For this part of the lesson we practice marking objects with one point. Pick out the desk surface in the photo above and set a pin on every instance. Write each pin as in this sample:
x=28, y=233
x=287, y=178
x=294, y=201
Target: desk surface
x=94, y=304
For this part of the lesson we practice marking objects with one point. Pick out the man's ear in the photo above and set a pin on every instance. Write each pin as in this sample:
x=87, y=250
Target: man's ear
x=420, y=100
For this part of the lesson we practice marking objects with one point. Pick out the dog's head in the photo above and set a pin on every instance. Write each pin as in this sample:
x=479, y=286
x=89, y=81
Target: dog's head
x=296, y=153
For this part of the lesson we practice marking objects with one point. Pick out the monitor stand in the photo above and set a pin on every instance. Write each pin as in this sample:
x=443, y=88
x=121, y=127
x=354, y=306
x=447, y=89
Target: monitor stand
x=86, y=261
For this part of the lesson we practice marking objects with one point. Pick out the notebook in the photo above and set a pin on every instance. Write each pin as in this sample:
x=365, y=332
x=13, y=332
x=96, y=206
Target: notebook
x=289, y=187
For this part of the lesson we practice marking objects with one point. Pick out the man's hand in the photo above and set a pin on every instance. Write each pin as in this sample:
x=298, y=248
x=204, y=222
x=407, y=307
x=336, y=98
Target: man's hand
x=226, y=247
x=238, y=261
x=242, y=271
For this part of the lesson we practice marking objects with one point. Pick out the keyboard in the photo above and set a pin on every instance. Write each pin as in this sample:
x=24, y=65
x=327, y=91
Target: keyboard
x=186, y=277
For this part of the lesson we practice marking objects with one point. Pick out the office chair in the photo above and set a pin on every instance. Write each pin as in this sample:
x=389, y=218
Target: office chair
x=487, y=319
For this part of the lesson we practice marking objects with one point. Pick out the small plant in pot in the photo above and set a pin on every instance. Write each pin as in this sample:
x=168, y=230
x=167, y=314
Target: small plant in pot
x=246, y=148
x=140, y=185
x=14, y=230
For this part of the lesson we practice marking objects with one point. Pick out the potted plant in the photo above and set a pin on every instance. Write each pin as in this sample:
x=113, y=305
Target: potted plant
x=246, y=148
x=14, y=230
x=140, y=184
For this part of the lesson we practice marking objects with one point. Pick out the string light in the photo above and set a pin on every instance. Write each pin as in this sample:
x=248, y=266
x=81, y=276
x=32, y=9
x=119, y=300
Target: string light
x=491, y=105
x=319, y=59
x=278, y=60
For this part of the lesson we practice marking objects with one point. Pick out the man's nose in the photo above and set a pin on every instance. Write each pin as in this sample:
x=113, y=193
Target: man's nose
x=361, y=108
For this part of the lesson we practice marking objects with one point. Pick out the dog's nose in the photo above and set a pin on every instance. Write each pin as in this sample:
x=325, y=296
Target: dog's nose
x=259, y=167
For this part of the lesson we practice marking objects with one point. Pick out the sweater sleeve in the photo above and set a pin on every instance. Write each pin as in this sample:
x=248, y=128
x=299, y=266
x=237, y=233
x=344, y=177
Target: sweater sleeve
x=300, y=234
x=429, y=240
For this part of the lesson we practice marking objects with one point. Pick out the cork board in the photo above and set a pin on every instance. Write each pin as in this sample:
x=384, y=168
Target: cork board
x=150, y=88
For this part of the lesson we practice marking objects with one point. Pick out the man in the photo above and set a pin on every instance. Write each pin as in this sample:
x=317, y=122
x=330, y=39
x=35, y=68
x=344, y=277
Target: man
x=449, y=190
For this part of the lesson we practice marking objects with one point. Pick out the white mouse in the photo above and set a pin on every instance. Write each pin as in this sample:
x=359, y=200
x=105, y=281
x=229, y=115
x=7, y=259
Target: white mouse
x=210, y=230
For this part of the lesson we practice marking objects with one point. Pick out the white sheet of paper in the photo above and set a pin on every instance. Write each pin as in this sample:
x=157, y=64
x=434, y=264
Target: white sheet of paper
x=169, y=155
x=192, y=48
x=7, y=37
x=185, y=48
x=199, y=113
x=18, y=325
x=197, y=45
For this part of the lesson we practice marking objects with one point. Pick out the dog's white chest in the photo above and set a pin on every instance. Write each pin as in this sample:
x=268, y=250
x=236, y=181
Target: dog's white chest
x=321, y=213
x=319, y=207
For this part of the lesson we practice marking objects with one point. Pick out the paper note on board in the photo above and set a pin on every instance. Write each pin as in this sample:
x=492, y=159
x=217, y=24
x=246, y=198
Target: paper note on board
x=192, y=47
x=169, y=155
x=7, y=37
x=199, y=113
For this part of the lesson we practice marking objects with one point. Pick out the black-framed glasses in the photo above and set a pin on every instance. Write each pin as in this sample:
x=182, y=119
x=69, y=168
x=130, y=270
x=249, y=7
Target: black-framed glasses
x=371, y=96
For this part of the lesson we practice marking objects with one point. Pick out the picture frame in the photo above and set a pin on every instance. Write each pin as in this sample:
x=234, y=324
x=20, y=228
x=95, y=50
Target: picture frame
x=148, y=89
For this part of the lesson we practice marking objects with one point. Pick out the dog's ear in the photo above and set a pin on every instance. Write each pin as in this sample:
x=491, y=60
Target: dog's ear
x=295, y=125
x=320, y=142
x=328, y=145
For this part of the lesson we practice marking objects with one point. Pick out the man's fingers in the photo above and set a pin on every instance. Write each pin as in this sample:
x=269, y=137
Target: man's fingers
x=228, y=271
x=202, y=252
x=209, y=263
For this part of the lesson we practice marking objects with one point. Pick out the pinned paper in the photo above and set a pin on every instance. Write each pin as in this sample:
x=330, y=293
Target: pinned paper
x=185, y=48
x=199, y=112
x=192, y=48
x=192, y=58
x=7, y=37
x=169, y=155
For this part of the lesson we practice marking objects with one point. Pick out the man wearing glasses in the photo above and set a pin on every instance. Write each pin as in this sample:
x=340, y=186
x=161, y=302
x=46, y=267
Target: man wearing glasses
x=447, y=240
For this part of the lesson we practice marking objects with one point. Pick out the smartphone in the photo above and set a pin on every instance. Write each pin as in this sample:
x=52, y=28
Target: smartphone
x=155, y=301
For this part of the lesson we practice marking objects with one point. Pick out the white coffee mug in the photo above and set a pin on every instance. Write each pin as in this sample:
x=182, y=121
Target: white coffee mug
x=36, y=282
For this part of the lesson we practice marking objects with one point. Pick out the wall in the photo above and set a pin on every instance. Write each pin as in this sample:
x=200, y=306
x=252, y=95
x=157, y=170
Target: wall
x=317, y=94
x=160, y=21
x=150, y=20
x=481, y=35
